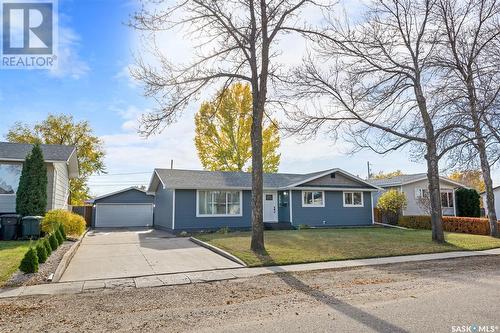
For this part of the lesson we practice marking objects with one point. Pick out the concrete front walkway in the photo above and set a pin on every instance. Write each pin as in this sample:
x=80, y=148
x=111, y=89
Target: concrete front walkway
x=112, y=254
x=224, y=274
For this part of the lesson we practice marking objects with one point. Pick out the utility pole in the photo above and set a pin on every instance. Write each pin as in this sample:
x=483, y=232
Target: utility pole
x=369, y=171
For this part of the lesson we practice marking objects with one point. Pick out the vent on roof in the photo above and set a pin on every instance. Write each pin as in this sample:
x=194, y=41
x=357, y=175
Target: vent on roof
x=332, y=175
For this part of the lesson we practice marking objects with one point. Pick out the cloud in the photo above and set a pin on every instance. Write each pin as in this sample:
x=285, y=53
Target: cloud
x=69, y=62
x=124, y=75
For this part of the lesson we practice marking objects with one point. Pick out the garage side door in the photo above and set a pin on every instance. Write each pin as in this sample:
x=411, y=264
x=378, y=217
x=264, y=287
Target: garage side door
x=123, y=215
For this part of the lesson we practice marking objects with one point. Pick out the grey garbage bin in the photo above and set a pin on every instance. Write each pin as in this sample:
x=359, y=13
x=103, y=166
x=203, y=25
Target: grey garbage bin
x=30, y=227
x=10, y=223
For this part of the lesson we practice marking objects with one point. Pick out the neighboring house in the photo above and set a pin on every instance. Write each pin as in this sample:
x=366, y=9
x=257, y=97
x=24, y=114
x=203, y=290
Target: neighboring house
x=496, y=192
x=415, y=187
x=62, y=165
x=206, y=200
x=130, y=207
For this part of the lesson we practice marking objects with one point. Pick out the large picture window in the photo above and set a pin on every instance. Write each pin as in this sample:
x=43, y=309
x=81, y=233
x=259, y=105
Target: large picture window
x=353, y=199
x=219, y=203
x=313, y=199
x=9, y=178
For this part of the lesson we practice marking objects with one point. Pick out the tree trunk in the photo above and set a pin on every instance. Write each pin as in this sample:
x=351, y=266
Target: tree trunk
x=257, y=244
x=432, y=166
x=490, y=197
x=483, y=157
x=259, y=94
x=434, y=193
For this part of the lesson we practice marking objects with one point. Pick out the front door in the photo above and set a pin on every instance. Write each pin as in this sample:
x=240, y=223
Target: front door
x=270, y=207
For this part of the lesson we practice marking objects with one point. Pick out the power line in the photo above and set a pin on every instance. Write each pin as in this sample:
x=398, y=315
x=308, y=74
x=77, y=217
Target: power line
x=115, y=185
x=122, y=174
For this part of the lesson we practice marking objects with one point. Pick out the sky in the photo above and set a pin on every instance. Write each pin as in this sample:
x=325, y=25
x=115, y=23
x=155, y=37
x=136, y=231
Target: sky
x=92, y=83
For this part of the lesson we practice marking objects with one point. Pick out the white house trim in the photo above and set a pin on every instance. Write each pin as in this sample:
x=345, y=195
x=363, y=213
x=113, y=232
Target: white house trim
x=291, y=204
x=346, y=189
x=54, y=184
x=313, y=205
x=120, y=191
x=442, y=179
x=155, y=173
x=345, y=173
x=217, y=215
x=373, y=214
x=352, y=205
x=173, y=209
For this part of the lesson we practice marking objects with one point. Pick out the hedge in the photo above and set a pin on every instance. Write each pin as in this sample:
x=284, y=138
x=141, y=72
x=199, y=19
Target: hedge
x=468, y=202
x=467, y=225
x=74, y=225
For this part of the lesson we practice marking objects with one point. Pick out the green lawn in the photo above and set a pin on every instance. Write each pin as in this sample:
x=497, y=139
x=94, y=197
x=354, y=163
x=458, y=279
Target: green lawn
x=313, y=245
x=11, y=253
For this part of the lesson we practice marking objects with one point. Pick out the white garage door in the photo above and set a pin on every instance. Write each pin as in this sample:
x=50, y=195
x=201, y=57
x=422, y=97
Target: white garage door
x=123, y=215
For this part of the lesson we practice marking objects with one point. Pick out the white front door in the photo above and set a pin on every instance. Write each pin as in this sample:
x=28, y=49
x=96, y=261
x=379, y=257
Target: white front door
x=270, y=207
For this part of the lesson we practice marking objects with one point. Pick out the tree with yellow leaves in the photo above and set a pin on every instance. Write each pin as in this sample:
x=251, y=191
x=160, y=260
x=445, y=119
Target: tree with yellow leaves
x=223, y=127
x=471, y=178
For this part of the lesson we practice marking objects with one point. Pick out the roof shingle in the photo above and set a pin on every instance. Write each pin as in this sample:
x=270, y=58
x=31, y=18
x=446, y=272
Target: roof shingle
x=403, y=179
x=19, y=151
x=202, y=179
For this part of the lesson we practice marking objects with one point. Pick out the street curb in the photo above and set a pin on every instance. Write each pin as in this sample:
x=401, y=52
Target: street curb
x=77, y=287
x=63, y=264
x=218, y=251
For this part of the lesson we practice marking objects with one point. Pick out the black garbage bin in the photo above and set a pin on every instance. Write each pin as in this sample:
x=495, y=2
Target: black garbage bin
x=10, y=223
x=30, y=227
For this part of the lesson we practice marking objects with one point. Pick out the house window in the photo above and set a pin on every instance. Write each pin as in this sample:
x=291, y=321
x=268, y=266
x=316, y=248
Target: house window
x=313, y=199
x=421, y=193
x=447, y=199
x=9, y=178
x=219, y=203
x=353, y=199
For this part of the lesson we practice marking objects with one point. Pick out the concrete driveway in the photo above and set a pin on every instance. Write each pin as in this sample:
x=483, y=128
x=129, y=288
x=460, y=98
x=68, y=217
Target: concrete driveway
x=110, y=254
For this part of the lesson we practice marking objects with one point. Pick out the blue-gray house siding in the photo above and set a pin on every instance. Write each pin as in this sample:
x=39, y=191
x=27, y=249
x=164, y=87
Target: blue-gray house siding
x=334, y=213
x=185, y=219
x=162, y=218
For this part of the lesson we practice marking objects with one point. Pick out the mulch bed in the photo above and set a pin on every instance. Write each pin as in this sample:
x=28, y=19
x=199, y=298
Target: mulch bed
x=44, y=270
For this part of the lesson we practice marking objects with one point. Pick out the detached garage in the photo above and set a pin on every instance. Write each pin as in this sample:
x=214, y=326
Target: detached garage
x=127, y=208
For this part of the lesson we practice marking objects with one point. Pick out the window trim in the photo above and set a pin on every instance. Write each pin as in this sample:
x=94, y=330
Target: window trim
x=15, y=193
x=198, y=214
x=353, y=205
x=447, y=192
x=420, y=192
x=313, y=205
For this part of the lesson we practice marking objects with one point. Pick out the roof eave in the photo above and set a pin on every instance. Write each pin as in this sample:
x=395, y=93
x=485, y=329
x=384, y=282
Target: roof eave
x=118, y=192
x=327, y=172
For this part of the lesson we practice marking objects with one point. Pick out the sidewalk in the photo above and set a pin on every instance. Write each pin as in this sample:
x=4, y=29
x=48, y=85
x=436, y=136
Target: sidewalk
x=223, y=274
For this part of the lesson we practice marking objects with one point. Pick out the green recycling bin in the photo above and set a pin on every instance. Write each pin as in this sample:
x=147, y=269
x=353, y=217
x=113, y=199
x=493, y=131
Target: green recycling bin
x=10, y=224
x=30, y=227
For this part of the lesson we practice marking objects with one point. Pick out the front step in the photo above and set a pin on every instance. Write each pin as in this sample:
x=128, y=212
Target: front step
x=278, y=226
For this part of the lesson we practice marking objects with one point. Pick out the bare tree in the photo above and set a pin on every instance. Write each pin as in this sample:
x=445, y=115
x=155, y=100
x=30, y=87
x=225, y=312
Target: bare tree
x=377, y=87
x=237, y=41
x=470, y=38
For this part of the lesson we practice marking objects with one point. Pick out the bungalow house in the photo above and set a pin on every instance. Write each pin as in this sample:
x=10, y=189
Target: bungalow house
x=415, y=187
x=62, y=165
x=207, y=200
x=496, y=193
